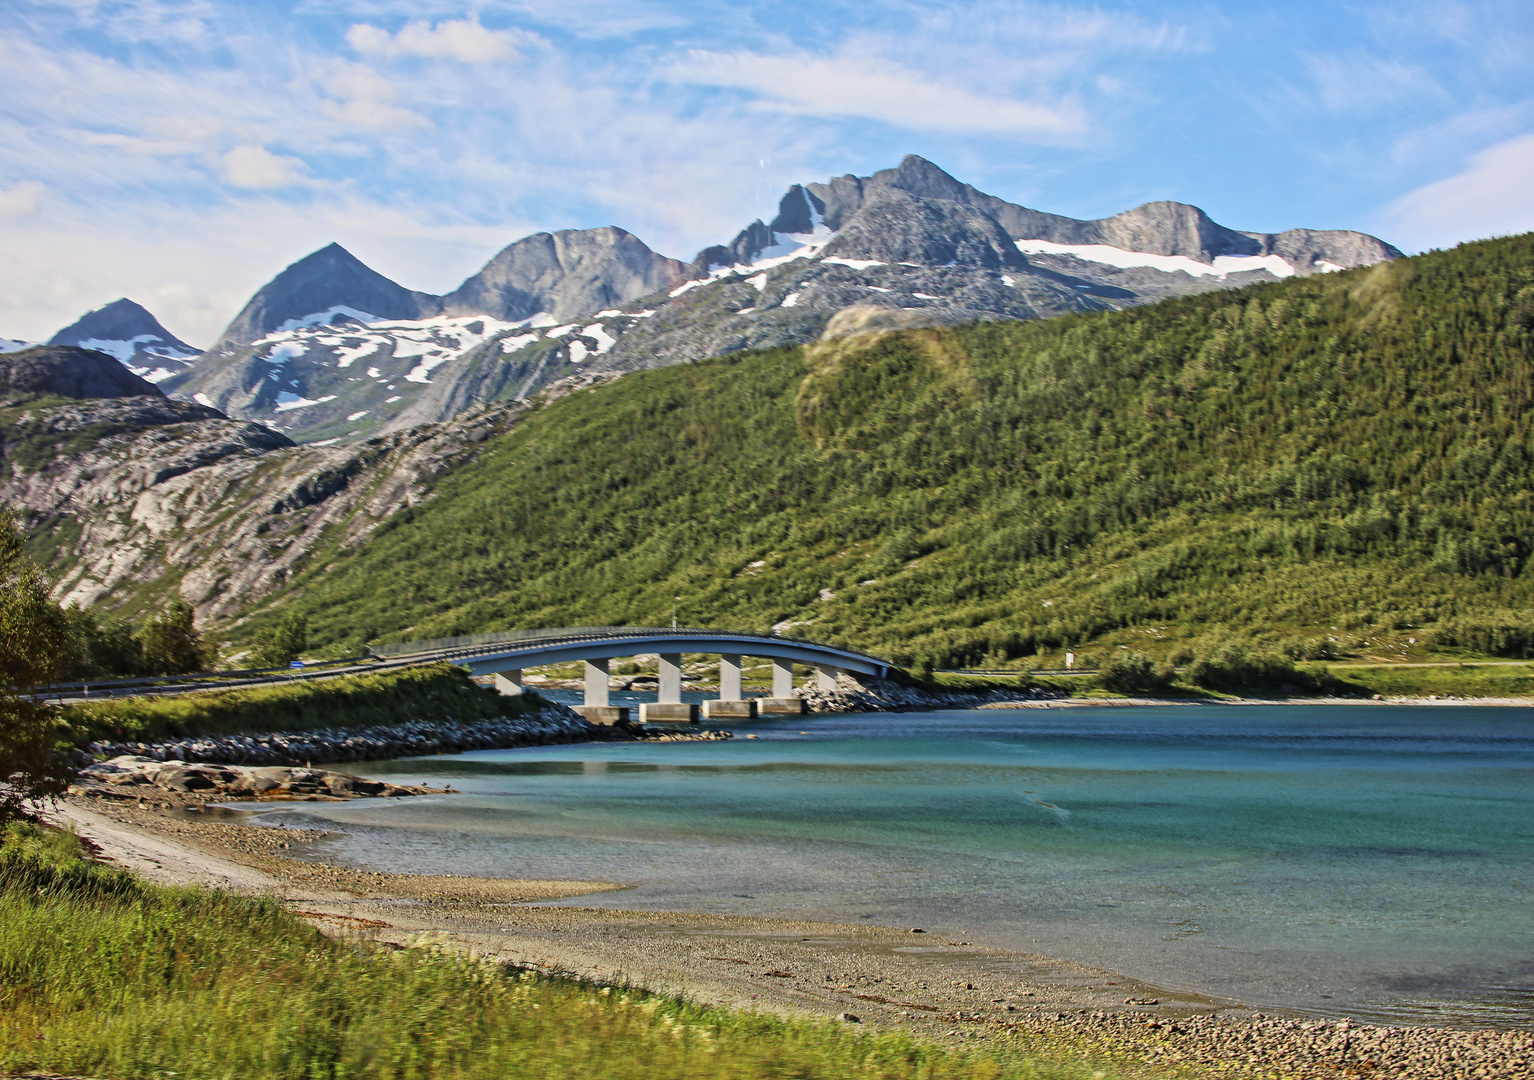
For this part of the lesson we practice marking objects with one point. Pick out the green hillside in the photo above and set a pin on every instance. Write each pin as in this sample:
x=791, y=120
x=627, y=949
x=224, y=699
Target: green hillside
x=1345, y=456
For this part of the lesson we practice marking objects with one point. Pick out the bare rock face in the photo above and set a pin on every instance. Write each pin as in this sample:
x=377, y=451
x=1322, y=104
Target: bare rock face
x=66, y=371
x=564, y=274
x=135, y=489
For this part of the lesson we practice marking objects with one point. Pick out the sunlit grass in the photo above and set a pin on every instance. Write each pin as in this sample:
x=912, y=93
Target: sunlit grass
x=102, y=975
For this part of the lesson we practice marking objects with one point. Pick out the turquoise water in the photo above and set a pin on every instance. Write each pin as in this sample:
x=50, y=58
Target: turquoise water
x=1363, y=861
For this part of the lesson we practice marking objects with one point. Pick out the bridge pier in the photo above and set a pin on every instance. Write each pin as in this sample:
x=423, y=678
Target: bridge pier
x=782, y=701
x=670, y=679
x=596, y=681
x=825, y=678
x=782, y=678
x=729, y=677
x=596, y=709
x=509, y=683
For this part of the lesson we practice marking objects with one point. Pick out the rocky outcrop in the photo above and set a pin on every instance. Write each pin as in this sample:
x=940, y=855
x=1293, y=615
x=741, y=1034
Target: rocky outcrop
x=881, y=695
x=146, y=489
x=130, y=775
x=551, y=725
x=67, y=371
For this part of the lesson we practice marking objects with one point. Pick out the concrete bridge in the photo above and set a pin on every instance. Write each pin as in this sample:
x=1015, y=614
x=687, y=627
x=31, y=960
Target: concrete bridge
x=506, y=655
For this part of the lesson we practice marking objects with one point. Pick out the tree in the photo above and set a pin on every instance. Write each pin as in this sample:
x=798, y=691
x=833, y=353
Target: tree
x=172, y=643
x=284, y=643
x=34, y=637
x=98, y=650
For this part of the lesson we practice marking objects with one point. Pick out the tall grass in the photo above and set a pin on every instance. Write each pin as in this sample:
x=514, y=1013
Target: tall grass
x=102, y=975
x=431, y=692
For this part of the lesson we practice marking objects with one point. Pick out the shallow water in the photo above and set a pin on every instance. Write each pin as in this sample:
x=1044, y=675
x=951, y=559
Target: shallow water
x=1365, y=861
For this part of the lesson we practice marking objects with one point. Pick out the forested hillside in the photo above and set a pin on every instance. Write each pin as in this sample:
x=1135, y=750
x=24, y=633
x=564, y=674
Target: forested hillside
x=1343, y=454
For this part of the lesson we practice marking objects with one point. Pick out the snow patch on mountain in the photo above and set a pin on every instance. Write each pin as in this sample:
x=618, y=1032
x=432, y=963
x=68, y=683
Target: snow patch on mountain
x=287, y=402
x=12, y=345
x=598, y=333
x=315, y=318
x=856, y=264
x=1222, y=267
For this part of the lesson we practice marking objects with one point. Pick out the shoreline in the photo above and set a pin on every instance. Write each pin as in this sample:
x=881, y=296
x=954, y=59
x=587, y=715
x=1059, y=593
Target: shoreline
x=1124, y=702
x=932, y=984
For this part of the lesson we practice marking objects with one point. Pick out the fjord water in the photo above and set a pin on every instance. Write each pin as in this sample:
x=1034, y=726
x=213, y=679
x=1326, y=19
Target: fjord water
x=1366, y=861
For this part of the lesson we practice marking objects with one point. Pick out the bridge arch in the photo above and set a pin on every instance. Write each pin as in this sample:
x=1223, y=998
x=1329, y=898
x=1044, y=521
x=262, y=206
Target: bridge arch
x=508, y=654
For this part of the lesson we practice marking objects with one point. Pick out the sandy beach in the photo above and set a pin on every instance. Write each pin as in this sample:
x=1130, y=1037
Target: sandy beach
x=929, y=983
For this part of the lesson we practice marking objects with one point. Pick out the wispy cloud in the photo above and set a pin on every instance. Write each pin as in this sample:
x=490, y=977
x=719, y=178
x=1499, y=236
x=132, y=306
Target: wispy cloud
x=869, y=88
x=1489, y=197
x=1359, y=82
x=464, y=40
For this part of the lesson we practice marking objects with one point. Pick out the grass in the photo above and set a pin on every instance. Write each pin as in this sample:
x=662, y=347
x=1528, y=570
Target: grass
x=1465, y=680
x=103, y=975
x=435, y=691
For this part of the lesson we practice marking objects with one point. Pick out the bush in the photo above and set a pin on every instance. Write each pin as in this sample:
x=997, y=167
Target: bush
x=1496, y=636
x=1236, y=667
x=284, y=643
x=1132, y=671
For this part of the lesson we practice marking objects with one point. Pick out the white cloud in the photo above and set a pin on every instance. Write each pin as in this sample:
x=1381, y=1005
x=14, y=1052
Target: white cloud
x=366, y=100
x=874, y=89
x=251, y=166
x=1489, y=197
x=20, y=200
x=463, y=40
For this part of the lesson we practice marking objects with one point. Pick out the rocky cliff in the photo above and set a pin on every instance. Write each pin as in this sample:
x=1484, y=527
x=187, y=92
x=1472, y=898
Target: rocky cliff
x=134, y=492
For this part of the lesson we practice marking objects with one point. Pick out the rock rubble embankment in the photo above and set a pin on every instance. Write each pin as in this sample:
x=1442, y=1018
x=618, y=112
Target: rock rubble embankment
x=129, y=776
x=882, y=695
x=549, y=726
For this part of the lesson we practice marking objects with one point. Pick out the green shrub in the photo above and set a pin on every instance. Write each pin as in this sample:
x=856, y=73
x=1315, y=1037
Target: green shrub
x=1237, y=667
x=1131, y=671
x=1505, y=635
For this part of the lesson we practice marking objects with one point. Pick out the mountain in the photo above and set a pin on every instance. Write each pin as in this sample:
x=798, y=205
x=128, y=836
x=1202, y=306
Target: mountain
x=128, y=332
x=135, y=494
x=332, y=349
x=553, y=305
x=564, y=274
x=67, y=371
x=1331, y=461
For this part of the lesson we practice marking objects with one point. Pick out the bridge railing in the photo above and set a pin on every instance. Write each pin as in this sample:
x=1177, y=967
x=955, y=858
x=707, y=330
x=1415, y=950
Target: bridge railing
x=588, y=633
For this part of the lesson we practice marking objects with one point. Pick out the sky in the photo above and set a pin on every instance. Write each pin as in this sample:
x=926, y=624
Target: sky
x=181, y=152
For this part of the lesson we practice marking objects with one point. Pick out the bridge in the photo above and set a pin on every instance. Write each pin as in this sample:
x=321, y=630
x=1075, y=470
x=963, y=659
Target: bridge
x=506, y=655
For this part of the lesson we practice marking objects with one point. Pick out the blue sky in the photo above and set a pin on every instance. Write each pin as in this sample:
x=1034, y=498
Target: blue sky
x=180, y=152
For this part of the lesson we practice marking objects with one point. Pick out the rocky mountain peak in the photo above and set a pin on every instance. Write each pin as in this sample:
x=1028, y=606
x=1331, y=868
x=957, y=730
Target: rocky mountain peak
x=67, y=371
x=121, y=321
x=565, y=274
x=328, y=283
x=128, y=331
